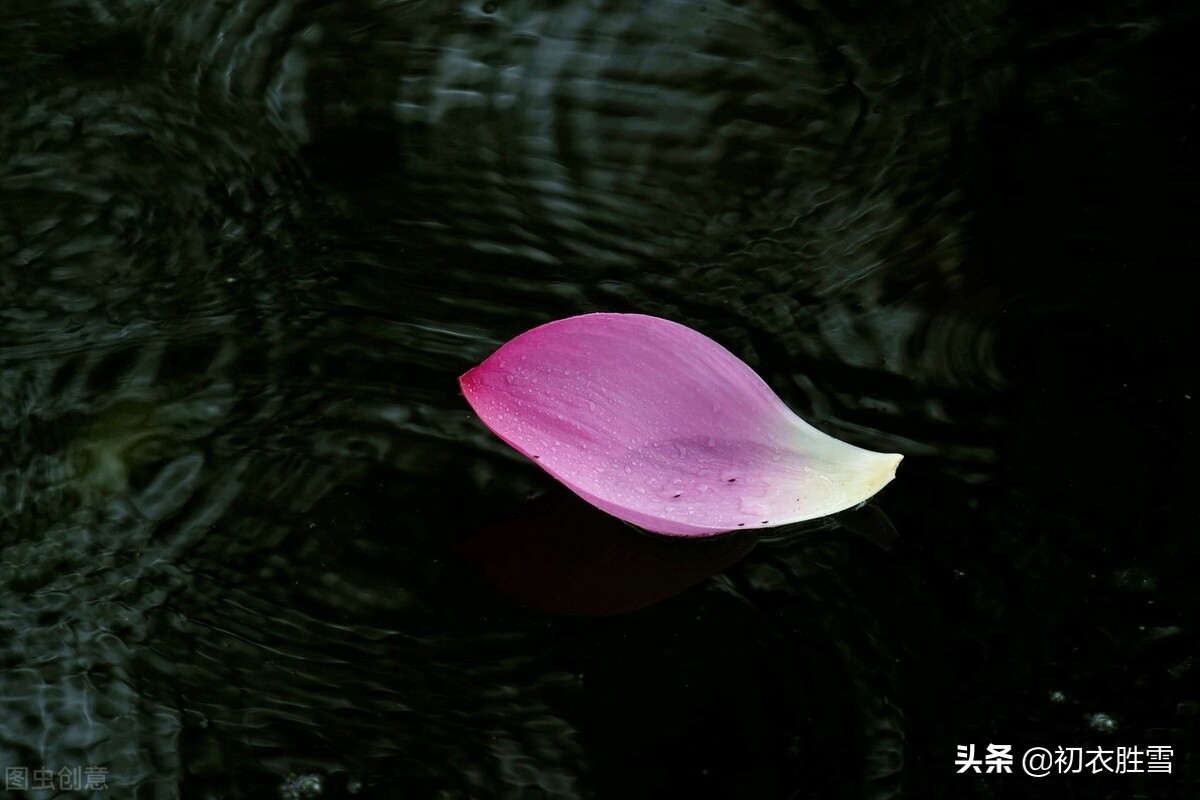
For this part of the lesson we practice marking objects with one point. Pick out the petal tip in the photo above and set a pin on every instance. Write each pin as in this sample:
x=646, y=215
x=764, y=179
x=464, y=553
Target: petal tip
x=880, y=473
x=468, y=382
x=891, y=465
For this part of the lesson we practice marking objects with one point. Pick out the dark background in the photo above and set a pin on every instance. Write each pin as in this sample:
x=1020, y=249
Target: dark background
x=247, y=247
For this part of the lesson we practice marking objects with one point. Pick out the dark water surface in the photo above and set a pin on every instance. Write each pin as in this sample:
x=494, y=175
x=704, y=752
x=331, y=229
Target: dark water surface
x=247, y=247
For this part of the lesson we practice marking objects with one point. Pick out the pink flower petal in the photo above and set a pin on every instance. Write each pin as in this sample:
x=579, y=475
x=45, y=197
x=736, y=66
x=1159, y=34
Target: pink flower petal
x=662, y=427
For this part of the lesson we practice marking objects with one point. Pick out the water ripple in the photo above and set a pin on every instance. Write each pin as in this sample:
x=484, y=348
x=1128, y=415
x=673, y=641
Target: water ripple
x=247, y=247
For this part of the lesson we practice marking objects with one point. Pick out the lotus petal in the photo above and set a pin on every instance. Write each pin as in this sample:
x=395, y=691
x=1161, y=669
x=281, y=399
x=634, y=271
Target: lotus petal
x=664, y=428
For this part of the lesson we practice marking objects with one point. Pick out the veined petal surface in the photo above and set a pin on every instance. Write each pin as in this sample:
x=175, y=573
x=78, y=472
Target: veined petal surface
x=660, y=426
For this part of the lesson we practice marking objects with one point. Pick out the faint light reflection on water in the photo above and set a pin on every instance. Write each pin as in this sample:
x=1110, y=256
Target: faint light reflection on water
x=248, y=247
